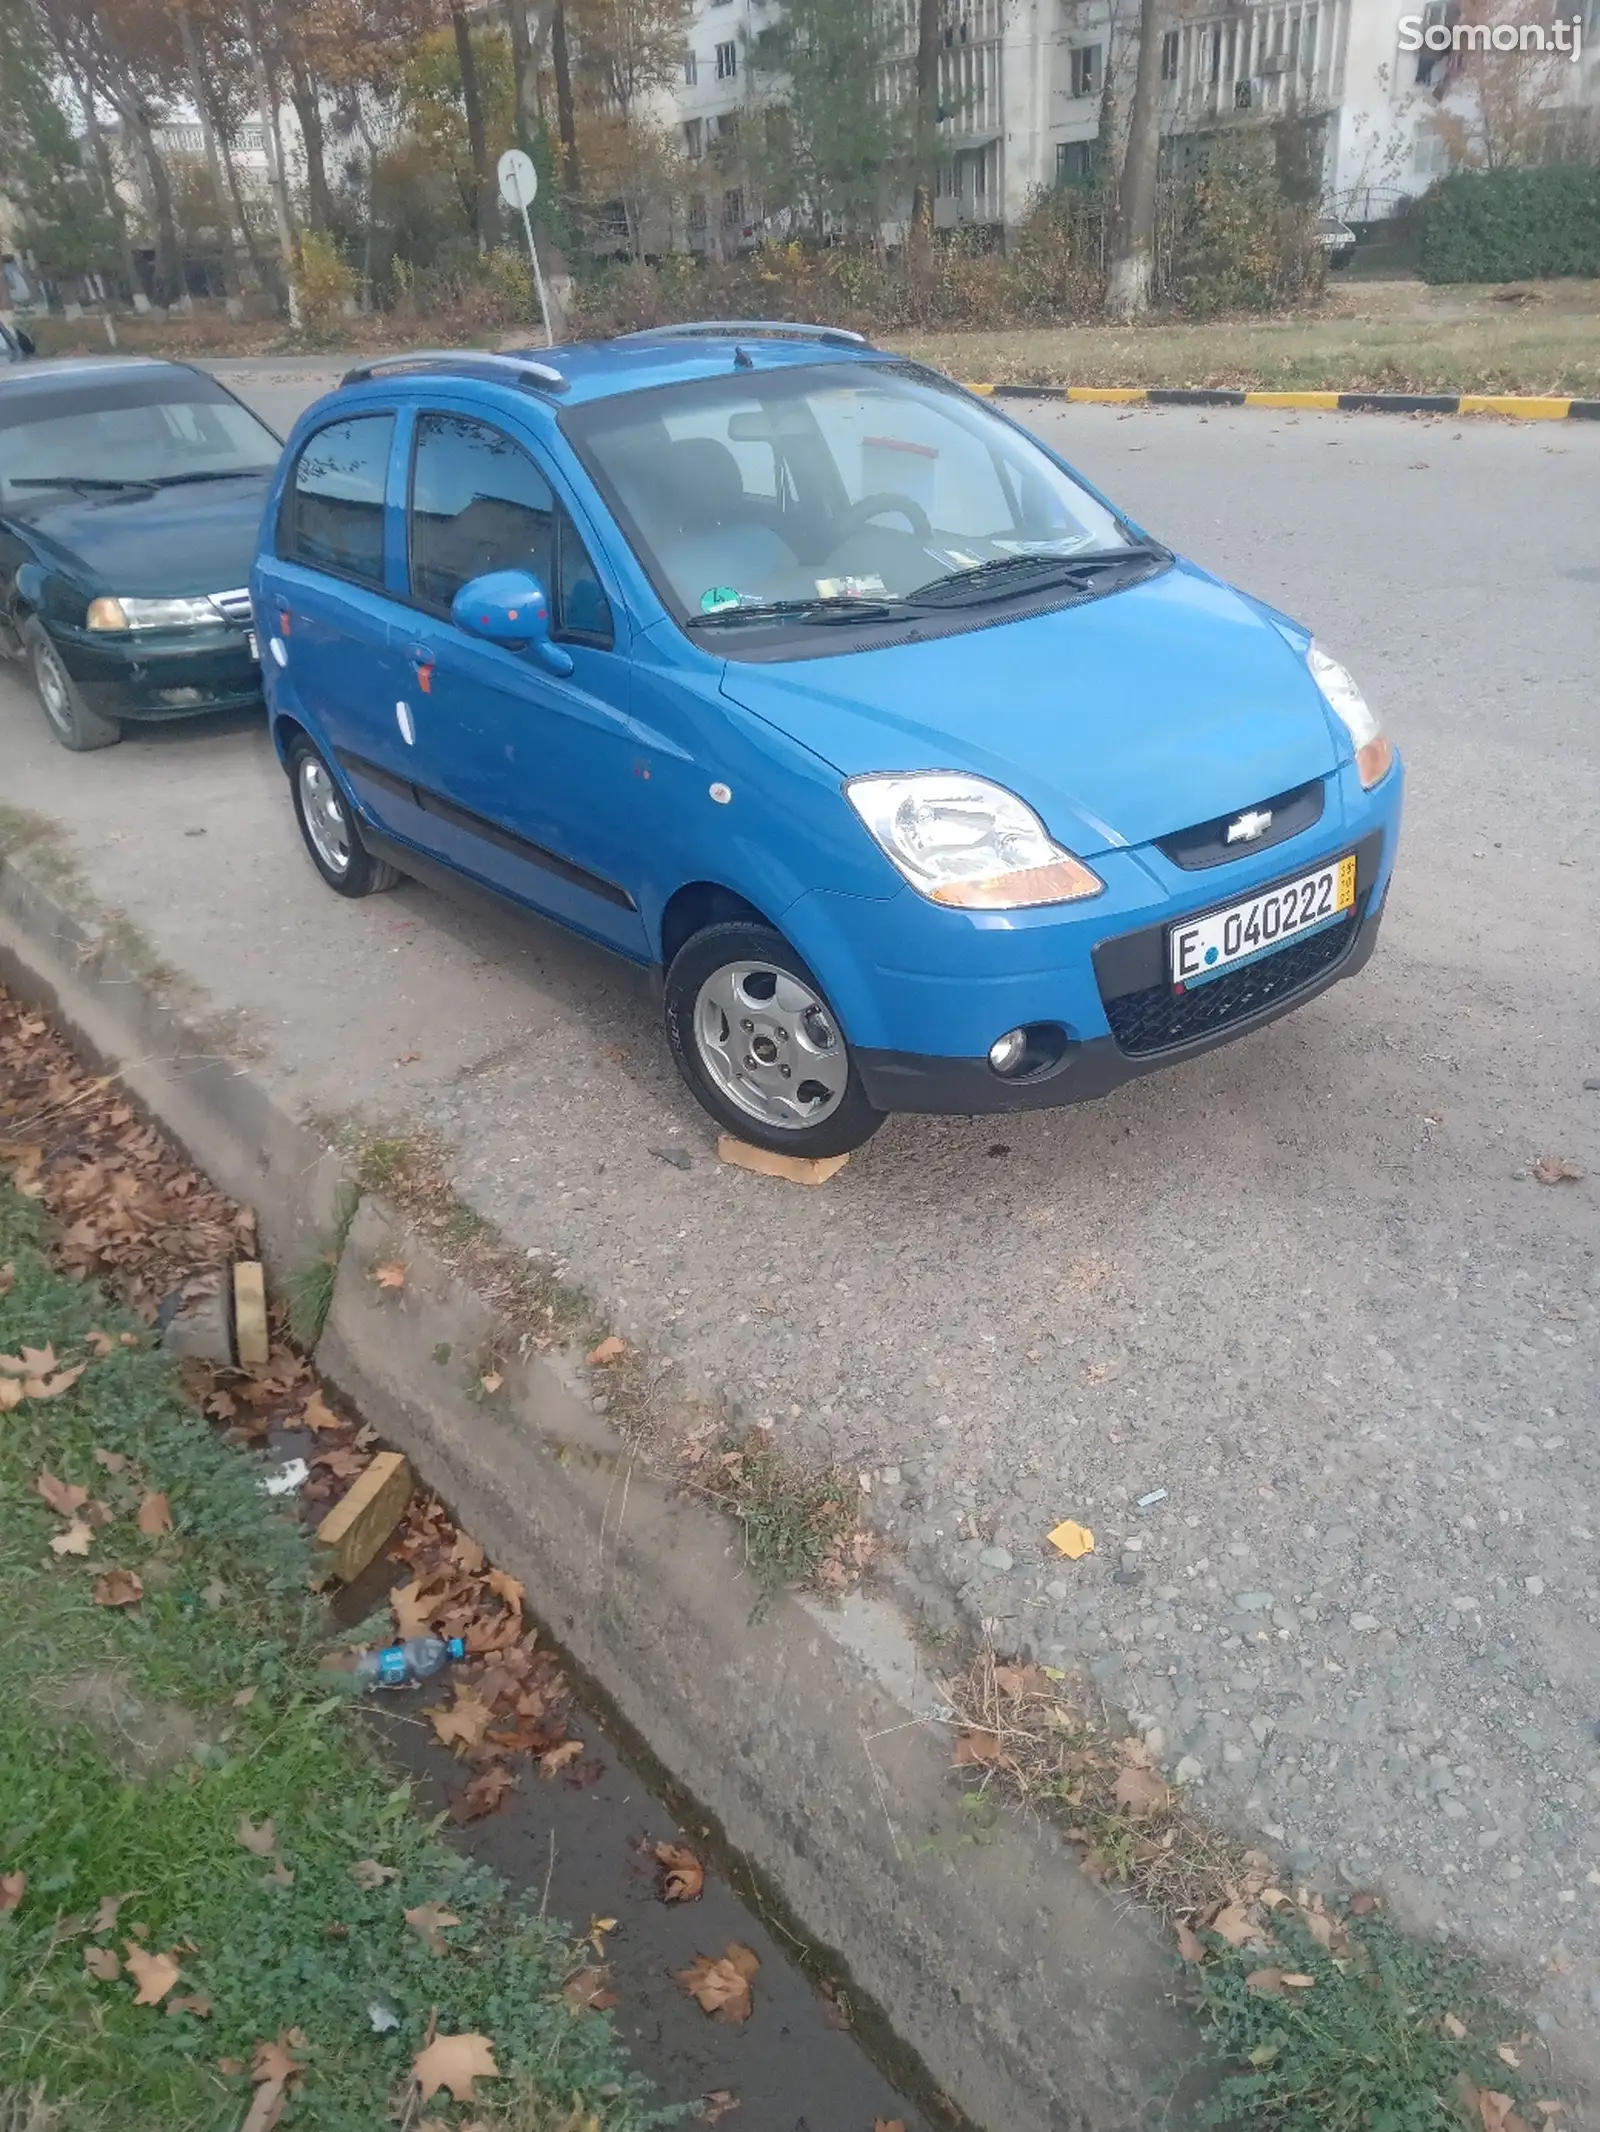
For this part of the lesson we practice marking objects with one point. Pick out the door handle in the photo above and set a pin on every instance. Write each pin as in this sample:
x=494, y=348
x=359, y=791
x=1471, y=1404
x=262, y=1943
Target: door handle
x=421, y=658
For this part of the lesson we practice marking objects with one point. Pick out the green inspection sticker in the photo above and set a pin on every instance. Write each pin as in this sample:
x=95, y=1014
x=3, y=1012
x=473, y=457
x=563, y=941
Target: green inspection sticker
x=718, y=597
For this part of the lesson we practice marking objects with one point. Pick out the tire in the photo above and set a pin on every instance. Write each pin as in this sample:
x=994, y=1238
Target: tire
x=329, y=829
x=789, y=1024
x=69, y=718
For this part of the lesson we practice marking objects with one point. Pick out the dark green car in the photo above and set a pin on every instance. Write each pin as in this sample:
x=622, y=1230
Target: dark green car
x=130, y=499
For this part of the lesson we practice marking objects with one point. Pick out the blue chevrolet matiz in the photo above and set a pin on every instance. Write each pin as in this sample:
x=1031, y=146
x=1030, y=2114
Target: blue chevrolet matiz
x=785, y=666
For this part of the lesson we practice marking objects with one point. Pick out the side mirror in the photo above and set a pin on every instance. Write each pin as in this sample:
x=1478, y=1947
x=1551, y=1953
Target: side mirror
x=508, y=607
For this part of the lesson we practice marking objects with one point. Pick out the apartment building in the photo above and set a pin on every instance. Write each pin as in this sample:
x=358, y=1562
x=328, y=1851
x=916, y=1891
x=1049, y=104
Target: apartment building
x=1022, y=83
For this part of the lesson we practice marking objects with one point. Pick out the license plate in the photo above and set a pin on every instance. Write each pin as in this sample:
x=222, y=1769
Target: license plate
x=1204, y=948
x=252, y=646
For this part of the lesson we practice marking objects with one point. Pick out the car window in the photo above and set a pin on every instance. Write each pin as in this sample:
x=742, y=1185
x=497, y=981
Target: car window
x=333, y=506
x=170, y=429
x=480, y=503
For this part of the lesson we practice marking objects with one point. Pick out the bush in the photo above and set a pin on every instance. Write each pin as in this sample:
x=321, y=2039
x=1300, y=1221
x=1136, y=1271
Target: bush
x=1240, y=243
x=1513, y=225
x=324, y=281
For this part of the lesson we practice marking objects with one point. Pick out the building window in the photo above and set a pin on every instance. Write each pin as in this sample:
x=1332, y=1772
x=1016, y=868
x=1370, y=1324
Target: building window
x=727, y=60
x=1086, y=70
x=733, y=208
x=694, y=138
x=1075, y=162
x=727, y=127
x=1443, y=13
x=697, y=214
x=1169, y=56
x=1308, y=44
x=1216, y=54
x=691, y=69
x=1430, y=157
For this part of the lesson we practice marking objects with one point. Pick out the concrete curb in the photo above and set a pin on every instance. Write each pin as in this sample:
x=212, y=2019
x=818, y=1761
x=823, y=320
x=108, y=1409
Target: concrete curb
x=1032, y=2000
x=1526, y=407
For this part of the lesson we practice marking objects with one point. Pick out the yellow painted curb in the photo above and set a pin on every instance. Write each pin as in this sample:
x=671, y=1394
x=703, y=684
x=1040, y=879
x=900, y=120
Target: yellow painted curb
x=1321, y=402
x=984, y=389
x=1107, y=395
x=1510, y=403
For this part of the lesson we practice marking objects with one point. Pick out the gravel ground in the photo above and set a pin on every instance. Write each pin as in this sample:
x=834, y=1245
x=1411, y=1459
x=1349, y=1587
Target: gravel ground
x=1307, y=1285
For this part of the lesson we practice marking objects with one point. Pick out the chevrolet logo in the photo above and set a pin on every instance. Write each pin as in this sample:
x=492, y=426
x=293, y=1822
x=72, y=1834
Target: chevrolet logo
x=1246, y=827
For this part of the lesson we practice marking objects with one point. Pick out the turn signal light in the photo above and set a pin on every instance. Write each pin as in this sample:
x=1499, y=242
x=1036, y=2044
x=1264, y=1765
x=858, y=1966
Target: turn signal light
x=1374, y=761
x=1064, y=880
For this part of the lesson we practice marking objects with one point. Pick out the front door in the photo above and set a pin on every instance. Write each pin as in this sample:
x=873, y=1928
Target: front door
x=527, y=776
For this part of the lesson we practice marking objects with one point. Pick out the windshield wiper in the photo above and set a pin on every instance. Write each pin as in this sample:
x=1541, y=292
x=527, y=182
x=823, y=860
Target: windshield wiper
x=74, y=481
x=210, y=473
x=1005, y=573
x=837, y=608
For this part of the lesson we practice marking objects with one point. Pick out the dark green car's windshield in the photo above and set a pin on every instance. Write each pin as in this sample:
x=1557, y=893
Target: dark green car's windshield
x=833, y=482
x=129, y=428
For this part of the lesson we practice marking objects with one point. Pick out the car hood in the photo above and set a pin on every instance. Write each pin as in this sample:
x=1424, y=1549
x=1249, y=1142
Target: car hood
x=1118, y=721
x=199, y=537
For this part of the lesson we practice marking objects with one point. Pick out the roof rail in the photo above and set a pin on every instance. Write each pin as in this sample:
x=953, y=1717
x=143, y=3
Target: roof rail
x=515, y=369
x=749, y=328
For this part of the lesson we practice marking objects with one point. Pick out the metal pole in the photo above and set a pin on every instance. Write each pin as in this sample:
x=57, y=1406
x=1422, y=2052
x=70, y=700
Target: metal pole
x=538, y=277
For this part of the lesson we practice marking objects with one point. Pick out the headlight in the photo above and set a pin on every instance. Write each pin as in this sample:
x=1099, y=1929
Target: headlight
x=1374, y=749
x=963, y=841
x=151, y=614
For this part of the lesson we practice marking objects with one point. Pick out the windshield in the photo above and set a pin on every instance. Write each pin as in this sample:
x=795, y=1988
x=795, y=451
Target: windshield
x=836, y=483
x=191, y=431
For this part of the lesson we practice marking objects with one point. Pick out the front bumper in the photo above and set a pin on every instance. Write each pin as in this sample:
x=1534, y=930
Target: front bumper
x=161, y=674
x=922, y=993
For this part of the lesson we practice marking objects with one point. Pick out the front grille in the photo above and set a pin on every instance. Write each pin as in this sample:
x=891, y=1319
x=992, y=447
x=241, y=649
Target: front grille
x=1206, y=843
x=1160, y=1018
x=234, y=607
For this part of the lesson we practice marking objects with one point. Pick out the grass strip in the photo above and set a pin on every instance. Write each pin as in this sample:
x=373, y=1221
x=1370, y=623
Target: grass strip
x=146, y=1746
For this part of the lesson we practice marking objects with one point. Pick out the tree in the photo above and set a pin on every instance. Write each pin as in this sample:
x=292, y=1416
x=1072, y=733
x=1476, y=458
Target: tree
x=477, y=140
x=1498, y=108
x=1132, y=270
x=927, y=131
x=61, y=206
x=627, y=50
x=434, y=104
x=844, y=152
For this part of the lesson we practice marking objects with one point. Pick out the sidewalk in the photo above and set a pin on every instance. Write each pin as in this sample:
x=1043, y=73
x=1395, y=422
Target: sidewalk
x=1307, y=1286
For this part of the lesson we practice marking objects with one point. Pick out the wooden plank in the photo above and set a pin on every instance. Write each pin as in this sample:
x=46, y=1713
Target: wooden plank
x=357, y=1526
x=794, y=1169
x=252, y=1342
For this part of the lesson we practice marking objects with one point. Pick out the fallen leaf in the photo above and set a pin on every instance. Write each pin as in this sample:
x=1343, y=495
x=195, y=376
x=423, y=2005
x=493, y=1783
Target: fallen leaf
x=155, y=1974
x=34, y=1361
x=491, y=1380
x=464, y=1723
x=560, y=1758
x=1072, y=1540
x=118, y=1587
x=681, y=1877
x=888, y=2124
x=196, y=2003
x=155, y=1516
x=1022, y=1681
x=272, y=2061
x=113, y=1461
x=391, y=1274
x=454, y=2062
x=230, y=2068
x=1453, y=2027
x=53, y=1386
x=1190, y=1945
x=63, y=1498
x=428, y=1921
x=716, y=2106
x=1299, y=1982
x=318, y=1415
x=506, y=1588
x=105, y=1916
x=367, y=1873
x=610, y=1350
x=1508, y=2056
x=414, y=1606
x=1233, y=1923
x=1363, y=1905
x=244, y=1698
x=589, y=1992
x=1498, y=2112
x=1140, y=1791
x=279, y=1877
x=99, y=1344
x=8, y=1277
x=721, y=1983
x=11, y=1394
x=976, y=1749
x=102, y=1962
x=259, y=1842
x=1264, y=1981
x=484, y=1795
x=1549, y=1169
x=13, y=1886
x=76, y=1540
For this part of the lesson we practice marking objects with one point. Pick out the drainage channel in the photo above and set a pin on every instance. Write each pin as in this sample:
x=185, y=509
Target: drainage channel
x=814, y=2055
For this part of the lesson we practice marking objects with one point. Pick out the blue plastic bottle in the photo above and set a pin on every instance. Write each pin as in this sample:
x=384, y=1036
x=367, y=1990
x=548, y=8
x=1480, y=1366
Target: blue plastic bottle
x=402, y=1664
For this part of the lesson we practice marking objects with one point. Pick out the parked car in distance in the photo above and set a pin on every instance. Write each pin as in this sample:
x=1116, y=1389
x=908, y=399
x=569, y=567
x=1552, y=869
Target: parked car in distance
x=130, y=500
x=1337, y=239
x=927, y=779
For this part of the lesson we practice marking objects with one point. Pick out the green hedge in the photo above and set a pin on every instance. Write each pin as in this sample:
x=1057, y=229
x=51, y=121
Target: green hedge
x=1513, y=225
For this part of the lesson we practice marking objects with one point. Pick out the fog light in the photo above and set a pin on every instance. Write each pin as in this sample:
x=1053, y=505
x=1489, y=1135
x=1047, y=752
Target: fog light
x=1006, y=1055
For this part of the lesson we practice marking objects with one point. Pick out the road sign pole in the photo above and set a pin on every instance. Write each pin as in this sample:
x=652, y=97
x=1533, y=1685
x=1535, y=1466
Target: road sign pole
x=538, y=279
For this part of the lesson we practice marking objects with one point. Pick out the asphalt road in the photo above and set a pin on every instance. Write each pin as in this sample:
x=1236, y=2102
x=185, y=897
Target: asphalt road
x=1307, y=1285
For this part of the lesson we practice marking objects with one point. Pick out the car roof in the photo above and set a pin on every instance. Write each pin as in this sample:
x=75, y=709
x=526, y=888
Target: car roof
x=42, y=378
x=574, y=372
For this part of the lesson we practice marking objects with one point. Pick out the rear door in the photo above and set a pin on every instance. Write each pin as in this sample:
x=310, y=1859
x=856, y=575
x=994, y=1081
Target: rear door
x=333, y=609
x=532, y=780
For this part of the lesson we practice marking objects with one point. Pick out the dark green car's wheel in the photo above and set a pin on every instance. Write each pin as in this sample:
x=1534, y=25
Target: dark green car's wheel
x=73, y=723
